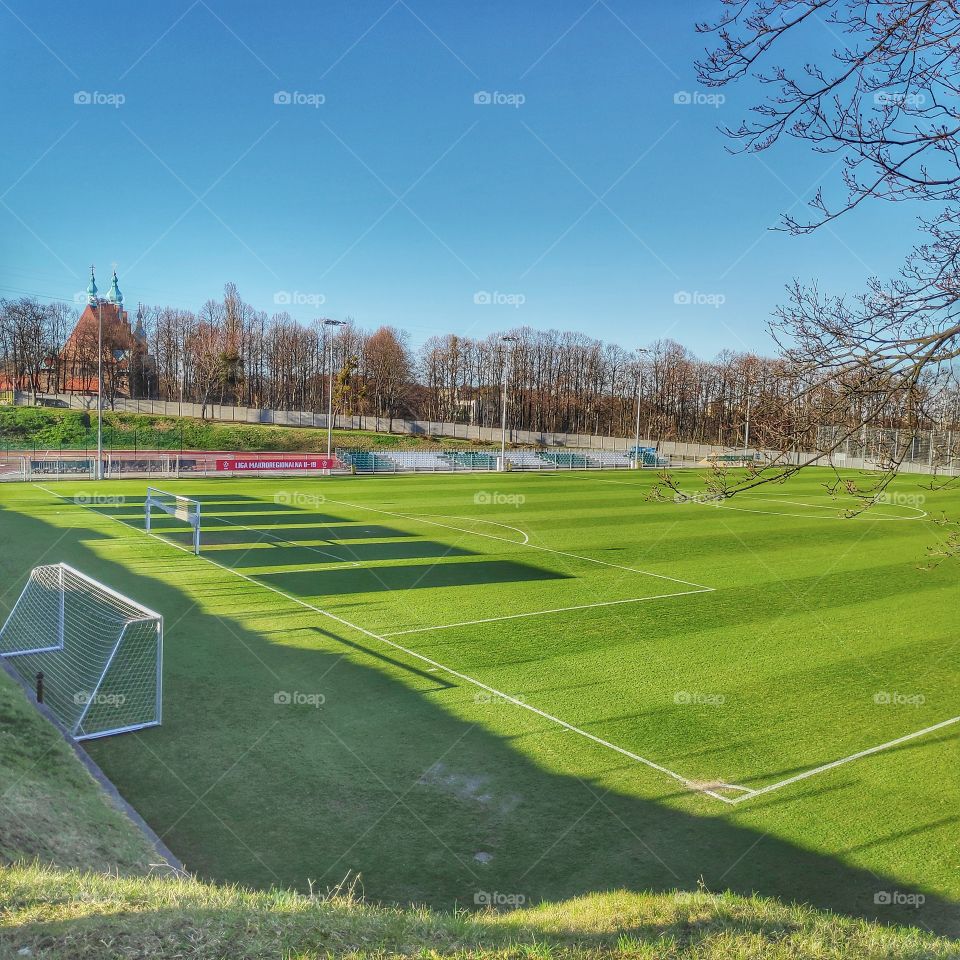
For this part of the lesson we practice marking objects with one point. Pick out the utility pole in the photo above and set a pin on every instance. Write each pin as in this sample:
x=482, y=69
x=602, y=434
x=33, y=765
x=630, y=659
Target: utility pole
x=636, y=439
x=331, y=323
x=503, y=401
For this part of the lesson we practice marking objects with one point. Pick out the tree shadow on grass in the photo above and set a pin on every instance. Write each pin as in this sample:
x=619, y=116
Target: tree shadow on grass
x=290, y=754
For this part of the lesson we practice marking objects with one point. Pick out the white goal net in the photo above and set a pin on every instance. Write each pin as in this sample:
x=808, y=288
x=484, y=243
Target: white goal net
x=181, y=508
x=92, y=655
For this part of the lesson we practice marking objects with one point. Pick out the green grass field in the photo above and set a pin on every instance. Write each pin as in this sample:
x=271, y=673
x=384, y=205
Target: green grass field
x=508, y=688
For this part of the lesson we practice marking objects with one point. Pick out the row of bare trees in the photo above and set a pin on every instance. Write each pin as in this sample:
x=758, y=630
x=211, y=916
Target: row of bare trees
x=557, y=382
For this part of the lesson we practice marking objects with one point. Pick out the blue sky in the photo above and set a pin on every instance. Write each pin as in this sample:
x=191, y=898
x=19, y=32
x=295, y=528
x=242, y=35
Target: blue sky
x=580, y=195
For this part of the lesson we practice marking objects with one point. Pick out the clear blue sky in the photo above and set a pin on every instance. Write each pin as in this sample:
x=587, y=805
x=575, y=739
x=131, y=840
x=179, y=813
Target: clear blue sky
x=590, y=205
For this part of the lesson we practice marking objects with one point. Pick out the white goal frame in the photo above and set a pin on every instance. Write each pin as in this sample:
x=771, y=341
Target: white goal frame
x=177, y=506
x=96, y=639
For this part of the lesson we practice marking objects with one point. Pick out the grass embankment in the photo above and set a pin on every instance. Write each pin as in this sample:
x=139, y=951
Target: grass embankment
x=26, y=428
x=52, y=809
x=55, y=914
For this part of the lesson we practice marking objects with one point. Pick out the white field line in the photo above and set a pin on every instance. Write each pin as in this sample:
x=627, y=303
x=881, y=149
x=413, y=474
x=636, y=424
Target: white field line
x=533, y=546
x=541, y=613
x=922, y=514
x=412, y=653
x=843, y=760
x=493, y=523
x=867, y=515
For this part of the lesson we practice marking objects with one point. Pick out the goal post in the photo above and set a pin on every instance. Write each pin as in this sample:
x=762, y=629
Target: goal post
x=99, y=653
x=174, y=505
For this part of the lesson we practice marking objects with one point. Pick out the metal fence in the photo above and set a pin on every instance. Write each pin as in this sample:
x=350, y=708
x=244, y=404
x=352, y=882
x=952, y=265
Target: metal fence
x=428, y=429
x=927, y=451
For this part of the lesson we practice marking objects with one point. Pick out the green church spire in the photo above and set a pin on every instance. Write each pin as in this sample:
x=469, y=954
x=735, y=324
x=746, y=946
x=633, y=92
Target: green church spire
x=114, y=296
x=92, y=288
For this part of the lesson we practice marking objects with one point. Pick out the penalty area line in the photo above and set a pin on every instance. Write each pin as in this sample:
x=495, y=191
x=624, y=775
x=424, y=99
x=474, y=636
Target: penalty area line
x=843, y=760
x=466, y=678
x=532, y=546
x=542, y=613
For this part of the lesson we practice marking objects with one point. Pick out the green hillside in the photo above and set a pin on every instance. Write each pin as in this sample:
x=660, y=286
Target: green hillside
x=41, y=428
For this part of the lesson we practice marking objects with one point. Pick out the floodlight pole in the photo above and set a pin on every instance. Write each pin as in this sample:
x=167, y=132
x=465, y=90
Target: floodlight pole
x=503, y=404
x=746, y=432
x=331, y=323
x=99, y=472
x=636, y=440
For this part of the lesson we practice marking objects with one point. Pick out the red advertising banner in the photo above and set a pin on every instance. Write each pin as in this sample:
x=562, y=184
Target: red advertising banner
x=278, y=463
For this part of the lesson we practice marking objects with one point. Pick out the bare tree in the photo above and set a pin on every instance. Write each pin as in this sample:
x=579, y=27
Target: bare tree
x=885, y=101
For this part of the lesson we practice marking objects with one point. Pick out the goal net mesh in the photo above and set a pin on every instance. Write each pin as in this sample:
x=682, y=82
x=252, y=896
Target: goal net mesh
x=100, y=653
x=173, y=505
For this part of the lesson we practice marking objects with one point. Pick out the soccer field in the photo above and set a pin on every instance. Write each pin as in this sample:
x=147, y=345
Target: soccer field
x=460, y=684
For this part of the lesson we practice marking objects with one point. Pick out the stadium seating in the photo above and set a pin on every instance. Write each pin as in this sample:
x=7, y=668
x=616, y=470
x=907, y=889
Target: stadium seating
x=527, y=460
x=417, y=461
x=567, y=459
x=472, y=459
x=610, y=458
x=365, y=461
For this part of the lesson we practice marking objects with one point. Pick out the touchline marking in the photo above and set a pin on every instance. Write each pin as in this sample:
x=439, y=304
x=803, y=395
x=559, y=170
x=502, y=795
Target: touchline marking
x=412, y=653
x=533, y=546
x=540, y=613
x=718, y=505
x=843, y=760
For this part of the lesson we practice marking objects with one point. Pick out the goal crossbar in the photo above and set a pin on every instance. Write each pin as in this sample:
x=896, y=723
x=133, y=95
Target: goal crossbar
x=93, y=655
x=174, y=505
